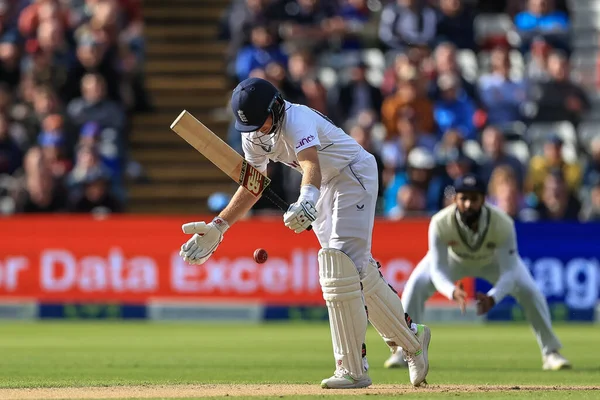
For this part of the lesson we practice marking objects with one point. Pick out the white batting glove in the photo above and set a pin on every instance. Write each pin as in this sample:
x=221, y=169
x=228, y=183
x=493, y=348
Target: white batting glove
x=205, y=241
x=303, y=212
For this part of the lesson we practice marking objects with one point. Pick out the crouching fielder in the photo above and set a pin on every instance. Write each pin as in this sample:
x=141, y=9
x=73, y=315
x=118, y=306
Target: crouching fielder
x=474, y=239
x=337, y=197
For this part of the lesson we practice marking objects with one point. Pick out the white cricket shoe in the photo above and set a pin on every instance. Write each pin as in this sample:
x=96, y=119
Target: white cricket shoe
x=396, y=359
x=555, y=362
x=343, y=380
x=418, y=363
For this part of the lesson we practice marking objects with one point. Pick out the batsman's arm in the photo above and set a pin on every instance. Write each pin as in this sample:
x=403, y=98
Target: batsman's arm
x=508, y=259
x=311, y=169
x=241, y=202
x=438, y=252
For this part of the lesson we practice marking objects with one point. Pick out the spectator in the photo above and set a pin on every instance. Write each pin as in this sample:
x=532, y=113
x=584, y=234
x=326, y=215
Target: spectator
x=444, y=58
x=592, y=172
x=557, y=202
x=411, y=203
x=87, y=161
x=406, y=23
x=420, y=173
x=541, y=165
x=409, y=96
x=301, y=66
x=93, y=55
x=355, y=96
x=10, y=58
x=40, y=193
x=355, y=15
x=93, y=136
x=315, y=94
x=94, y=196
x=452, y=141
x=591, y=211
x=455, y=24
x=542, y=18
x=39, y=12
x=305, y=22
x=261, y=51
x=10, y=153
x=495, y=156
x=536, y=68
x=94, y=105
x=404, y=67
x=395, y=150
x=457, y=164
x=454, y=109
x=54, y=154
x=558, y=99
x=504, y=192
x=499, y=94
x=243, y=15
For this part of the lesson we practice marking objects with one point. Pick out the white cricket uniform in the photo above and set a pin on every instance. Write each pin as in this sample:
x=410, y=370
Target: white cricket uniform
x=346, y=206
x=455, y=252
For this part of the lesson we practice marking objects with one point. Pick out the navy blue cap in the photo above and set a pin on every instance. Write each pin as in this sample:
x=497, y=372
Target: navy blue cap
x=252, y=102
x=469, y=183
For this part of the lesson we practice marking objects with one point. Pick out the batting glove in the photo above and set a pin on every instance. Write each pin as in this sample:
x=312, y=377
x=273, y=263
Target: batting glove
x=303, y=212
x=205, y=241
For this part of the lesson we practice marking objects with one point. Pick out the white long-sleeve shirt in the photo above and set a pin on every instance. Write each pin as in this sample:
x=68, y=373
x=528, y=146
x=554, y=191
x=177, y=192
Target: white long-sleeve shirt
x=454, y=245
x=302, y=128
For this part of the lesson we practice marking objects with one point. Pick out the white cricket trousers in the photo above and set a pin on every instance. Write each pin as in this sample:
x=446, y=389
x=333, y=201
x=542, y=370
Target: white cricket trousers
x=419, y=288
x=346, y=210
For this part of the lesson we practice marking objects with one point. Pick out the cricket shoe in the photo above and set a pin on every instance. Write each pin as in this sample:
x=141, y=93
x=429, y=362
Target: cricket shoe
x=555, y=361
x=418, y=362
x=343, y=380
x=396, y=359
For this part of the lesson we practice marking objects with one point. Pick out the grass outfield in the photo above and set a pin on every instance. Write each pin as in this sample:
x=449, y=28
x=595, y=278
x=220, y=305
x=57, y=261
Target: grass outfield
x=181, y=360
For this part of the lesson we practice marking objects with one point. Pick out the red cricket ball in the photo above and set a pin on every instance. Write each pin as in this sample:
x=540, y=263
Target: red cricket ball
x=260, y=256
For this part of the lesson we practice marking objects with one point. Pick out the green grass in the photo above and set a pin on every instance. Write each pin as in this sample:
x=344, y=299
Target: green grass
x=106, y=354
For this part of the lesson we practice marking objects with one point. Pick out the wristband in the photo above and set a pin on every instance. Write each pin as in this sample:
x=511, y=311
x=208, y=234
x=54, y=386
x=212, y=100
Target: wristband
x=309, y=192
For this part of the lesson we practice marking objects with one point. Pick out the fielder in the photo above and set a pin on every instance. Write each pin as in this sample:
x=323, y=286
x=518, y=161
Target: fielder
x=337, y=196
x=473, y=238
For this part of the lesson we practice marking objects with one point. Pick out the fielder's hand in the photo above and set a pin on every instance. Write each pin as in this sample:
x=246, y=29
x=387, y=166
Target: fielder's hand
x=484, y=303
x=205, y=241
x=460, y=296
x=300, y=215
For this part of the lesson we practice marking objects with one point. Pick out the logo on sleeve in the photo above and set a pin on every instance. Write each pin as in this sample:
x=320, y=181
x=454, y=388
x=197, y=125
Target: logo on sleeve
x=304, y=141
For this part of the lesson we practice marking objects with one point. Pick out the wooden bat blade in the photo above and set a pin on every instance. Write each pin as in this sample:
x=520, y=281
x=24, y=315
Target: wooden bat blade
x=200, y=137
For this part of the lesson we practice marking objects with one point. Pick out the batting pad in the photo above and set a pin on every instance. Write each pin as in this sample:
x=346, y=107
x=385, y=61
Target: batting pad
x=386, y=312
x=340, y=283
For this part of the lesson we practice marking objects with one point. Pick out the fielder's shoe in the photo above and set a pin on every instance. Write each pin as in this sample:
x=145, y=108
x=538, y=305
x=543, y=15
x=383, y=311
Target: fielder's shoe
x=555, y=362
x=343, y=380
x=418, y=363
x=396, y=360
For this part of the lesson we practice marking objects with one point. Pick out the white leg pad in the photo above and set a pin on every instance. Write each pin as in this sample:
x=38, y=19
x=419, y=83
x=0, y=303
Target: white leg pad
x=340, y=283
x=386, y=312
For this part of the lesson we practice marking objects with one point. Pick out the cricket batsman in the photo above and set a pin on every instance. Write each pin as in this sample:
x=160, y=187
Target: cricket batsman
x=337, y=197
x=471, y=238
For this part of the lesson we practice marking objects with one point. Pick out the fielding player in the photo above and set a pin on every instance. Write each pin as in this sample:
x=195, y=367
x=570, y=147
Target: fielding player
x=337, y=196
x=474, y=239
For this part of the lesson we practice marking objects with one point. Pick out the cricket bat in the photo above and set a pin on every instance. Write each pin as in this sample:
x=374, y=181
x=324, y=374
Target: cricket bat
x=225, y=158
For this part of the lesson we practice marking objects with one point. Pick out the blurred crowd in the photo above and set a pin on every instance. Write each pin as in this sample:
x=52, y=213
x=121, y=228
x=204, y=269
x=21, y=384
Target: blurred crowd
x=70, y=79
x=434, y=89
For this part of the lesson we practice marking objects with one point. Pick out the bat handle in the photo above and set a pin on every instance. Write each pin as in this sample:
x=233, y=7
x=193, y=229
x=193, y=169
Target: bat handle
x=279, y=202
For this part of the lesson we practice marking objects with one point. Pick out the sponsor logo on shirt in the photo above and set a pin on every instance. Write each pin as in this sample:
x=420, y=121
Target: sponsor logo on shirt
x=304, y=141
